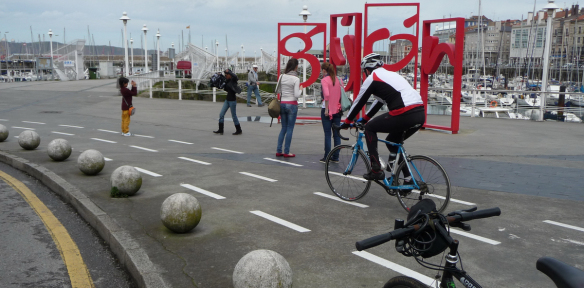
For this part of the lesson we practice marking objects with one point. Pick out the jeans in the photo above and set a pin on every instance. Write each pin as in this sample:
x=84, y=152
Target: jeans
x=288, y=113
x=227, y=105
x=256, y=90
x=327, y=125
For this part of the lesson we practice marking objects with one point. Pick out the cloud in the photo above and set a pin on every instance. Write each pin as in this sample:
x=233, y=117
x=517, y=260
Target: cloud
x=51, y=14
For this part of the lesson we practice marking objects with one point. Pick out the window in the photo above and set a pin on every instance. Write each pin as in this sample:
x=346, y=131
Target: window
x=539, y=38
x=524, y=38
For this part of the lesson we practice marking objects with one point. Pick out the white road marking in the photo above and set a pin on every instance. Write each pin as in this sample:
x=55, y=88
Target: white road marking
x=3, y=119
x=193, y=160
x=145, y=136
x=71, y=126
x=476, y=237
x=62, y=133
x=148, y=172
x=348, y=176
x=138, y=147
x=341, y=200
x=18, y=127
x=108, y=141
x=227, y=150
x=109, y=131
x=574, y=242
x=258, y=176
x=280, y=221
x=280, y=161
x=395, y=267
x=182, y=142
x=107, y=159
x=34, y=122
x=564, y=225
x=202, y=191
x=443, y=198
x=16, y=137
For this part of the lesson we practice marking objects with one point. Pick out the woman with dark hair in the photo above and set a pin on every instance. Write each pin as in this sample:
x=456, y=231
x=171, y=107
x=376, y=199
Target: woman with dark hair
x=331, y=108
x=126, y=103
x=230, y=103
x=289, y=90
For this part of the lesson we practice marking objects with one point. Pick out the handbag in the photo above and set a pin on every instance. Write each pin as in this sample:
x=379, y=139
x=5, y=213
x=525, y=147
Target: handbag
x=274, y=107
x=346, y=103
x=132, y=109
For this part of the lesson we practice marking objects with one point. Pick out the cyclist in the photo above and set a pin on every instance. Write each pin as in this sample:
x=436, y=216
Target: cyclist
x=406, y=111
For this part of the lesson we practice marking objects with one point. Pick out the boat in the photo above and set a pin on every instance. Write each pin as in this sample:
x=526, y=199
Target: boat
x=529, y=101
x=577, y=100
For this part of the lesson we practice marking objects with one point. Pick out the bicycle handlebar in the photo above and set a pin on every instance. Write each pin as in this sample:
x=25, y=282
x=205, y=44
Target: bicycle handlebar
x=357, y=125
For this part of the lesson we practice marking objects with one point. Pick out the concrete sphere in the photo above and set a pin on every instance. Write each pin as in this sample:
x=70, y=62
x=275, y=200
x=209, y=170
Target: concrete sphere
x=90, y=162
x=262, y=268
x=29, y=140
x=3, y=132
x=180, y=212
x=127, y=179
x=59, y=149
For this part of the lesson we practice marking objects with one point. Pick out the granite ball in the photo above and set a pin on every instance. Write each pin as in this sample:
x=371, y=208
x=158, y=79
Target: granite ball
x=262, y=268
x=3, y=133
x=29, y=140
x=180, y=212
x=59, y=149
x=90, y=162
x=127, y=179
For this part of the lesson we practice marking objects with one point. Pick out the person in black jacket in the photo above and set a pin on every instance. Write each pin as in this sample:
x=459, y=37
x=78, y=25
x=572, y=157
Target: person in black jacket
x=230, y=102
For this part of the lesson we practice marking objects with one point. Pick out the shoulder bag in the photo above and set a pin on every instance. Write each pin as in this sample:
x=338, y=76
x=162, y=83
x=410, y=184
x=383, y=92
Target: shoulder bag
x=346, y=103
x=274, y=107
x=132, y=109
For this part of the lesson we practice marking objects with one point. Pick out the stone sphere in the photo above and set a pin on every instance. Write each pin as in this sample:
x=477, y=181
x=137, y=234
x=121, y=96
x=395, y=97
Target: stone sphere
x=59, y=149
x=29, y=140
x=262, y=268
x=3, y=132
x=180, y=212
x=90, y=162
x=127, y=179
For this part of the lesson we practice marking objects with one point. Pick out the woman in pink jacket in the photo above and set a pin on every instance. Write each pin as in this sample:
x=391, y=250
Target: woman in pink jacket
x=331, y=108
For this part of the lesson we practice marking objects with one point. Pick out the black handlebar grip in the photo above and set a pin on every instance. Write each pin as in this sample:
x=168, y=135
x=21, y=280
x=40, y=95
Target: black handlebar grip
x=480, y=214
x=380, y=239
x=338, y=129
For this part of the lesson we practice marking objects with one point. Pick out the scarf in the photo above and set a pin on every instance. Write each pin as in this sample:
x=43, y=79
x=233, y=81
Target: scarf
x=292, y=73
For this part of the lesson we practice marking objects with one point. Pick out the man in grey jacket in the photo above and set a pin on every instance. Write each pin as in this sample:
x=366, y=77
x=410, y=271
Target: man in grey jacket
x=252, y=81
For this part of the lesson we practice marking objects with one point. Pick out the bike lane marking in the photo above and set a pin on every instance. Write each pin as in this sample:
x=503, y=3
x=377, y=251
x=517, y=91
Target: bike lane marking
x=284, y=162
x=3, y=119
x=181, y=142
x=108, y=131
x=72, y=126
x=396, y=267
x=148, y=172
x=476, y=237
x=76, y=268
x=34, y=122
x=103, y=140
x=348, y=176
x=564, y=225
x=143, y=136
x=258, y=176
x=221, y=149
x=341, y=200
x=202, y=191
x=63, y=133
x=280, y=221
x=193, y=160
x=18, y=127
x=142, y=148
x=451, y=199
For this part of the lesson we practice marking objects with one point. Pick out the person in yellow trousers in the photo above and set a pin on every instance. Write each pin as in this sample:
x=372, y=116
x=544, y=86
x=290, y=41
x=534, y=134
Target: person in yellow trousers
x=126, y=104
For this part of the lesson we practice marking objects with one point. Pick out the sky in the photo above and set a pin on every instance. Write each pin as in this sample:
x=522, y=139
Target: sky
x=251, y=23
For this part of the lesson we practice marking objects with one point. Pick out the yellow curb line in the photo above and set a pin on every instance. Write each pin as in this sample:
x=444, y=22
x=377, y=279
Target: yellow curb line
x=78, y=273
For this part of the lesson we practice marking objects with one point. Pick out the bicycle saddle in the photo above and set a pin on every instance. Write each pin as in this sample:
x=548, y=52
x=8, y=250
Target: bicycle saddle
x=563, y=275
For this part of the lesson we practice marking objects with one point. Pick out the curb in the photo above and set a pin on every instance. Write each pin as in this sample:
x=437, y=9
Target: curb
x=121, y=243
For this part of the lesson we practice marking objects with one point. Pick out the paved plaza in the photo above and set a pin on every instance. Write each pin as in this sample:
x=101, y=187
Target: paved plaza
x=531, y=170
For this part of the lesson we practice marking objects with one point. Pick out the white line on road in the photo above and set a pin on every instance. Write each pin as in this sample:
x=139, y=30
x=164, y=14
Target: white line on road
x=395, y=267
x=108, y=141
x=34, y=122
x=258, y=176
x=109, y=131
x=107, y=159
x=18, y=127
x=443, y=198
x=138, y=147
x=280, y=161
x=71, y=126
x=341, y=200
x=202, y=191
x=348, y=176
x=3, y=119
x=476, y=237
x=182, y=142
x=564, y=225
x=62, y=133
x=148, y=172
x=280, y=221
x=145, y=136
x=221, y=149
x=16, y=137
x=193, y=160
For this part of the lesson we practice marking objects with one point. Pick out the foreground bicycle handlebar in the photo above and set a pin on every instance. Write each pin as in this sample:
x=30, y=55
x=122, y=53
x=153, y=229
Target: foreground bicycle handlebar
x=358, y=125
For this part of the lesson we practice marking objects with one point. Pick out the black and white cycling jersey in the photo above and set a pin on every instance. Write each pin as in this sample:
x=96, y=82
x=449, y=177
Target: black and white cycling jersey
x=388, y=88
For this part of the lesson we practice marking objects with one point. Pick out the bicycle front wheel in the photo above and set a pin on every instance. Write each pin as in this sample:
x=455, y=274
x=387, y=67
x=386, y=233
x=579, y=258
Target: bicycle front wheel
x=431, y=178
x=404, y=282
x=345, y=176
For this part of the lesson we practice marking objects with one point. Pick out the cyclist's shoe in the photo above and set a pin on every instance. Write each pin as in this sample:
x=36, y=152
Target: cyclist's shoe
x=379, y=175
x=323, y=160
x=404, y=192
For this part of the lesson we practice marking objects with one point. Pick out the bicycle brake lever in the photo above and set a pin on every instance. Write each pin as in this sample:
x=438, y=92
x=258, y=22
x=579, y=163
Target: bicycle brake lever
x=463, y=226
x=461, y=211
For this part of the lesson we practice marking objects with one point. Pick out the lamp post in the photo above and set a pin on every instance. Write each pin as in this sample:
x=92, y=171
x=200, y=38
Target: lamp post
x=132, y=49
x=262, y=59
x=242, y=56
x=304, y=15
x=217, y=52
x=549, y=8
x=51, y=46
x=125, y=19
x=255, y=57
x=158, y=50
x=145, y=29
x=226, y=57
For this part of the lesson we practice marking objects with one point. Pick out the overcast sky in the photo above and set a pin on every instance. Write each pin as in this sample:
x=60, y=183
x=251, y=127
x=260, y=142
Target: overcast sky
x=252, y=23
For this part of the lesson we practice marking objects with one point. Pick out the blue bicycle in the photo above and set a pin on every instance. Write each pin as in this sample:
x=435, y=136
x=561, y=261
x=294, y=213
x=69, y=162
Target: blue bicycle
x=416, y=178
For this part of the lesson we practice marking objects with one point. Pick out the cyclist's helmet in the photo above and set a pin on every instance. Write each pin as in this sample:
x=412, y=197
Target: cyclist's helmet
x=371, y=61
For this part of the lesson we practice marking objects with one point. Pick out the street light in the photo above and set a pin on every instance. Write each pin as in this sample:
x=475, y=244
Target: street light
x=304, y=15
x=145, y=29
x=217, y=52
x=158, y=50
x=132, y=49
x=242, y=56
x=262, y=58
x=51, y=41
x=549, y=8
x=125, y=19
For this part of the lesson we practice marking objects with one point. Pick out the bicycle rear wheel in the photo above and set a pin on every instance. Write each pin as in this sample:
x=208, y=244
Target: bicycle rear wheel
x=345, y=178
x=404, y=282
x=430, y=177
